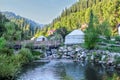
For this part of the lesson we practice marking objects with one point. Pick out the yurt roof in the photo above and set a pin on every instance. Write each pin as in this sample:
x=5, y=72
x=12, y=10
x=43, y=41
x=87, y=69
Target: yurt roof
x=41, y=37
x=76, y=32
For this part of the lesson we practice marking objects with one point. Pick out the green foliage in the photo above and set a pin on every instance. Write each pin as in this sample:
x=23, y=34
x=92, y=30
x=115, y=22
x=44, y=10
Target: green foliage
x=91, y=36
x=37, y=53
x=104, y=29
x=6, y=51
x=10, y=65
x=67, y=78
x=16, y=29
x=26, y=56
x=12, y=32
x=8, y=69
x=56, y=36
x=78, y=14
x=114, y=77
x=2, y=26
x=2, y=42
x=2, y=29
x=29, y=45
x=63, y=31
x=117, y=60
x=117, y=38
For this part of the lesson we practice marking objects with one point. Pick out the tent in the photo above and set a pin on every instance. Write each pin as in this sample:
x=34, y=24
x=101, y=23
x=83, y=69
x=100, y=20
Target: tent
x=75, y=37
x=41, y=38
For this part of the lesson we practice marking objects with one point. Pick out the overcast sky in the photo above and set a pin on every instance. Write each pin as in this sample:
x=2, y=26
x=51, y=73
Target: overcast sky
x=41, y=11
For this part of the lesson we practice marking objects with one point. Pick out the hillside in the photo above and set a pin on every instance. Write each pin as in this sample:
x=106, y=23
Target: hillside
x=11, y=16
x=79, y=13
x=26, y=25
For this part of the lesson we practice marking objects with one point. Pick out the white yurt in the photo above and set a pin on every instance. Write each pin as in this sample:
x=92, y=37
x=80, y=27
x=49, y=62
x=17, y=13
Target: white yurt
x=41, y=38
x=75, y=37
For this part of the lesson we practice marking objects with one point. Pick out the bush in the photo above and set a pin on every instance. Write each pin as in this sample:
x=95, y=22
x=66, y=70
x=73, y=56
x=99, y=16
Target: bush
x=36, y=53
x=6, y=51
x=29, y=46
x=117, y=60
x=8, y=69
x=16, y=59
x=67, y=78
x=117, y=38
x=113, y=49
x=114, y=77
x=10, y=65
x=36, y=57
x=26, y=56
x=2, y=43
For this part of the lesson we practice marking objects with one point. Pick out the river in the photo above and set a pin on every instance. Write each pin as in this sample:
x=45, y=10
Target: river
x=54, y=70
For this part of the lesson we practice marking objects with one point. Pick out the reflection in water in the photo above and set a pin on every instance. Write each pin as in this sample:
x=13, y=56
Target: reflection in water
x=73, y=70
x=59, y=70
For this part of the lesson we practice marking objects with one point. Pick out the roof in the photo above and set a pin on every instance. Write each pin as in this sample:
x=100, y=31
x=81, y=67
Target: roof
x=76, y=32
x=41, y=37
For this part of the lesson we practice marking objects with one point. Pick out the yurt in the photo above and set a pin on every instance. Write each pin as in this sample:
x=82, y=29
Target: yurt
x=41, y=38
x=75, y=37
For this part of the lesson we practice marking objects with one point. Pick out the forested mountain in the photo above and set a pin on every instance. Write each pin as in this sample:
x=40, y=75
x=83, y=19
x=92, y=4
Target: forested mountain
x=79, y=13
x=27, y=26
x=14, y=27
x=12, y=16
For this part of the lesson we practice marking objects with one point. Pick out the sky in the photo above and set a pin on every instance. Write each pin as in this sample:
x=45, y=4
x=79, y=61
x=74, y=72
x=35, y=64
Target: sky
x=41, y=11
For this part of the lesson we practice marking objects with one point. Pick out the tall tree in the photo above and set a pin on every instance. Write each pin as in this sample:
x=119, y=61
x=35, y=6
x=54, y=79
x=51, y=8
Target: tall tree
x=91, y=36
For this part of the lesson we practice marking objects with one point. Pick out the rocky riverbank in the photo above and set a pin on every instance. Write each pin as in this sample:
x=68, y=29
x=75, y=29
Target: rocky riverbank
x=109, y=60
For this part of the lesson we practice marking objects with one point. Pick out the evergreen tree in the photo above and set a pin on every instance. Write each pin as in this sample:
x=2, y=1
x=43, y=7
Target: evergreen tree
x=91, y=36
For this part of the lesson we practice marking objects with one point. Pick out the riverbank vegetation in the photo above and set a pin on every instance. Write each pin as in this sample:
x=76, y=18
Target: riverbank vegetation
x=10, y=65
x=11, y=61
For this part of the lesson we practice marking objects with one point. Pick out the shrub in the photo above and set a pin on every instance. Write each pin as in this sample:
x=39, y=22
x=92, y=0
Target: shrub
x=8, y=70
x=117, y=38
x=67, y=78
x=10, y=65
x=26, y=55
x=36, y=53
x=29, y=46
x=6, y=51
x=2, y=43
x=117, y=60
x=16, y=60
x=36, y=57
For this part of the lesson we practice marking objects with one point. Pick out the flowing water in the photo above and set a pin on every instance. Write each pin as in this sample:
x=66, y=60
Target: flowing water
x=54, y=70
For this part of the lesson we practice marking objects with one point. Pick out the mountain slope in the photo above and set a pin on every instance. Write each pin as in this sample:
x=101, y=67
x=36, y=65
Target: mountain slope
x=11, y=16
x=27, y=26
x=79, y=14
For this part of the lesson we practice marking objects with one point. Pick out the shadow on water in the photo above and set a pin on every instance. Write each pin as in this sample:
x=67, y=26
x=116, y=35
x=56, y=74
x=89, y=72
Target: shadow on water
x=93, y=72
x=71, y=71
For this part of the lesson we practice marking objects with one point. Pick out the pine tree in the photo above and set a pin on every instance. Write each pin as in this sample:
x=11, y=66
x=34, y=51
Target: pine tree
x=91, y=35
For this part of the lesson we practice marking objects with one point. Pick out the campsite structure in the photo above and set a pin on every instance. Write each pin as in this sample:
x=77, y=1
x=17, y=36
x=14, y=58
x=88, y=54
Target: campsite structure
x=75, y=37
